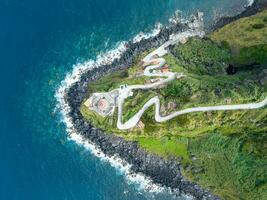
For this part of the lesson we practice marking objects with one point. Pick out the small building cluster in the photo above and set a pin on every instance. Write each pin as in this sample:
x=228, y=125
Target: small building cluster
x=165, y=68
x=103, y=103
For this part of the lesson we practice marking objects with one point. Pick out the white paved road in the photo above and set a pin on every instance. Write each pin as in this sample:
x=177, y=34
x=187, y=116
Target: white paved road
x=155, y=61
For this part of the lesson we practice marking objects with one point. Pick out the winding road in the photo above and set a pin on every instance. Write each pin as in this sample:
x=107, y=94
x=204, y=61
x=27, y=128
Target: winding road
x=154, y=62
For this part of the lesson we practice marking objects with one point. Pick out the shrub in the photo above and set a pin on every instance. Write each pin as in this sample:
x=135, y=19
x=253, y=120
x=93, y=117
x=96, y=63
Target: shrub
x=178, y=90
x=258, y=26
x=124, y=74
x=225, y=44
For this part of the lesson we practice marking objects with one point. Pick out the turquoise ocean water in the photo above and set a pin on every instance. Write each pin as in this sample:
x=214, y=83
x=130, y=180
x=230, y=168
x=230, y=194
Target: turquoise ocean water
x=40, y=42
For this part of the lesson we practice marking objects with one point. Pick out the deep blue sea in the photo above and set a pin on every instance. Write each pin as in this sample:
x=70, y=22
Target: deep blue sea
x=40, y=41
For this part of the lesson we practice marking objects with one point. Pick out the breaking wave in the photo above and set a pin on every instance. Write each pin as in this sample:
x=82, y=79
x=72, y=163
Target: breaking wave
x=250, y=2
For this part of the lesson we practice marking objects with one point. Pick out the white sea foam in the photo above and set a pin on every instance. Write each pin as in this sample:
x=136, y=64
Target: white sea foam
x=174, y=19
x=143, y=182
x=143, y=35
x=250, y=2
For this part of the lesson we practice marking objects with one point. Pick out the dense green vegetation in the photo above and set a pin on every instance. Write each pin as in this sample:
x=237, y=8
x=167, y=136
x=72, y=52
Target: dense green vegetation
x=202, y=56
x=234, y=167
x=224, y=151
x=246, y=38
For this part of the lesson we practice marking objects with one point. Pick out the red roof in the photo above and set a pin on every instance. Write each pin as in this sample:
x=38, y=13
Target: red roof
x=165, y=66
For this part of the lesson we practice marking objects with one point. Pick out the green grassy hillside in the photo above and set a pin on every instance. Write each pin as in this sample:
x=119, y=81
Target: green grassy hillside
x=246, y=38
x=224, y=151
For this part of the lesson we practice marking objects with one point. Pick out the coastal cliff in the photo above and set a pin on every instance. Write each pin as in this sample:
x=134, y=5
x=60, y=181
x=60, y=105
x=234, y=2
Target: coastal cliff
x=162, y=171
x=166, y=172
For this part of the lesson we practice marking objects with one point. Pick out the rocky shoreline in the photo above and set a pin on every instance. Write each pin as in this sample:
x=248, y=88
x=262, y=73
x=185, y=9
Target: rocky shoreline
x=166, y=172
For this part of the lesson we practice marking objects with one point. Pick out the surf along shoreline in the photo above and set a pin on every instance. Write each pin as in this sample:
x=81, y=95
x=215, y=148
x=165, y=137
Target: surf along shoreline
x=161, y=171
